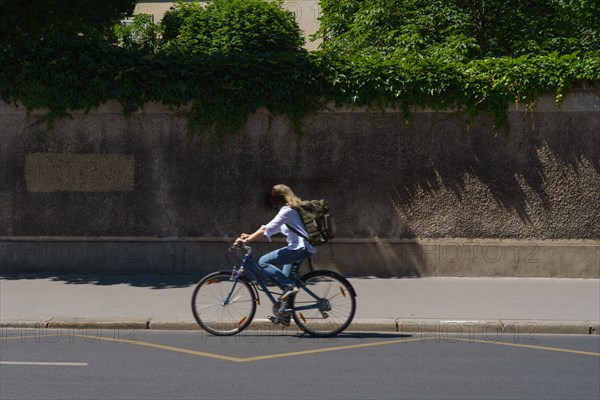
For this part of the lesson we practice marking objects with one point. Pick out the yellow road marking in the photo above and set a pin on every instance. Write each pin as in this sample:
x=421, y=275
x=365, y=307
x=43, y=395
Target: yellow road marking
x=315, y=351
x=327, y=349
x=162, y=347
x=136, y=342
x=529, y=346
x=249, y=359
x=14, y=337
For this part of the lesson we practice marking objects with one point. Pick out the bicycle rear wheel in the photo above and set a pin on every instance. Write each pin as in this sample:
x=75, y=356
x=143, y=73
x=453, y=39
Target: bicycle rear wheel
x=337, y=304
x=210, y=310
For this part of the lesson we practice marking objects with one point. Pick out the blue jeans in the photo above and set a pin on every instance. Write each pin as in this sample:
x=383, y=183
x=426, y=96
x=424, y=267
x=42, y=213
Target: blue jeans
x=284, y=257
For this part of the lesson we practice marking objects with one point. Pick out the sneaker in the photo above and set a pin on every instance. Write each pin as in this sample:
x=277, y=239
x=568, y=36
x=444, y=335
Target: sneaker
x=290, y=291
x=285, y=319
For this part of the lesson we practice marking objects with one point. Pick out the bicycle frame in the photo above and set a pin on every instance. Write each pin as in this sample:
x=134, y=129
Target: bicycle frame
x=323, y=304
x=252, y=268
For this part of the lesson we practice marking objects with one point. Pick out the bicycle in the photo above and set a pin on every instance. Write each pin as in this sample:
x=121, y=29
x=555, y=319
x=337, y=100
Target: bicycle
x=224, y=302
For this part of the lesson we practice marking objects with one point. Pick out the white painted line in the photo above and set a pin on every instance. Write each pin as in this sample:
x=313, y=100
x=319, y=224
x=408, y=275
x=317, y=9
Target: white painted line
x=46, y=364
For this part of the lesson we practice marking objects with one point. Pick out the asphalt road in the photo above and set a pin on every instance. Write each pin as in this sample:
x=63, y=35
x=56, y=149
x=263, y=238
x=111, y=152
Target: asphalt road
x=79, y=364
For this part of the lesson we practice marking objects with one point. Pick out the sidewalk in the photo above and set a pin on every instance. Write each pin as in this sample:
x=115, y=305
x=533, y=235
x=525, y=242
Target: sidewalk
x=532, y=305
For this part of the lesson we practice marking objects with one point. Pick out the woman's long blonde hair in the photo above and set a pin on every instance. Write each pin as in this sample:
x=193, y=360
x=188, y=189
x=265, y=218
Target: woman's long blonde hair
x=286, y=193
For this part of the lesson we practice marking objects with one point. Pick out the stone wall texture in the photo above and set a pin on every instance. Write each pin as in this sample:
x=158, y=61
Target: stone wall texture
x=435, y=175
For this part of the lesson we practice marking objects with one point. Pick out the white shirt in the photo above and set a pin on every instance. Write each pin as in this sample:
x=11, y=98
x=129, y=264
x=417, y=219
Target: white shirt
x=289, y=216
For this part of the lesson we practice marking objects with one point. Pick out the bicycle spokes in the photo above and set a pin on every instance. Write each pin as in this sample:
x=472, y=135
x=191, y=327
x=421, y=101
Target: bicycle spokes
x=333, y=310
x=223, y=307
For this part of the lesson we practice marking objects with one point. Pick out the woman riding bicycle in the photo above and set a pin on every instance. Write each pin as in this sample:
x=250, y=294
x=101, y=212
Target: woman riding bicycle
x=322, y=305
x=288, y=222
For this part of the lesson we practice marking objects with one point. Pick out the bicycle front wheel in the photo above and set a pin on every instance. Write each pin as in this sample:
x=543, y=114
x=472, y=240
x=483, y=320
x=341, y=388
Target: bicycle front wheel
x=217, y=316
x=332, y=312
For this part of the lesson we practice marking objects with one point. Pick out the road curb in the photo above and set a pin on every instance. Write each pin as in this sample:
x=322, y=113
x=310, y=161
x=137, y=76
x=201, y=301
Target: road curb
x=444, y=327
x=496, y=327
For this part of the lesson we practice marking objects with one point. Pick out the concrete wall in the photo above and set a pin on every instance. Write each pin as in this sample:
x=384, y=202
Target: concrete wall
x=441, y=194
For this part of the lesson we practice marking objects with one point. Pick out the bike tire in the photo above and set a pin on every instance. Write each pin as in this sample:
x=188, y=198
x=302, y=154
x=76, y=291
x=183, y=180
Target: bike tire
x=340, y=295
x=218, y=318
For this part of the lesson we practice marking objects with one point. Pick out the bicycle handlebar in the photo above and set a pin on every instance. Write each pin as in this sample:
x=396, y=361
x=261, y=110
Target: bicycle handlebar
x=244, y=247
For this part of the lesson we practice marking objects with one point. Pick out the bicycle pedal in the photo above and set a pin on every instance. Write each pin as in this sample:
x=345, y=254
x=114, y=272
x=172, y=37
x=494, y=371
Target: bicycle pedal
x=273, y=319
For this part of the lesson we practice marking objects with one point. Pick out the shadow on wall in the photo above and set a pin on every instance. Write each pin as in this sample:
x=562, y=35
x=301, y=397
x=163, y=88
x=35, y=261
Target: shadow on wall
x=541, y=168
x=375, y=258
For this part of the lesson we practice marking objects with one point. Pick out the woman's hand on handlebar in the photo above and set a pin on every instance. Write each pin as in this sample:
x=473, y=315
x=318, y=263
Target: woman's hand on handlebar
x=246, y=237
x=241, y=241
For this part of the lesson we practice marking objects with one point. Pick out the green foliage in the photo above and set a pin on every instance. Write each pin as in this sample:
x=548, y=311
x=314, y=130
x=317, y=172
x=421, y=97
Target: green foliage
x=81, y=73
x=399, y=27
x=519, y=27
x=231, y=26
x=141, y=33
x=34, y=18
x=469, y=28
x=423, y=53
x=476, y=55
x=487, y=85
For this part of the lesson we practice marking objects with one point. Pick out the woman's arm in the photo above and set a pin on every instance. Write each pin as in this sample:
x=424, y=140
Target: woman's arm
x=268, y=230
x=245, y=238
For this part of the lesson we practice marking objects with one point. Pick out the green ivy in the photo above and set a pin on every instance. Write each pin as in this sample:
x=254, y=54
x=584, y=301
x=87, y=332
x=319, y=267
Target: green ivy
x=141, y=32
x=82, y=73
x=412, y=67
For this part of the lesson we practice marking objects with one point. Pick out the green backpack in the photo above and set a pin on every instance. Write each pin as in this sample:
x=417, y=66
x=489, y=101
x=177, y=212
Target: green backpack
x=317, y=221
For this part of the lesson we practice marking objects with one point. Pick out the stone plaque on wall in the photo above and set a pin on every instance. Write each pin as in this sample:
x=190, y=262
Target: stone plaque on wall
x=56, y=172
